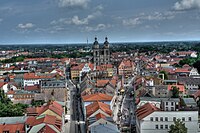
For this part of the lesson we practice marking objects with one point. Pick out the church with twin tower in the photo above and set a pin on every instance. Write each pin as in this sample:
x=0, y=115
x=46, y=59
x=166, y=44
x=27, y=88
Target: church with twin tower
x=101, y=53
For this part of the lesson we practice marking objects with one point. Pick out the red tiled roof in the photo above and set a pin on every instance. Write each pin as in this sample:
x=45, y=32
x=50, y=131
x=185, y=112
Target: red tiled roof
x=93, y=107
x=99, y=116
x=32, y=88
x=101, y=83
x=34, y=76
x=10, y=92
x=2, y=84
x=182, y=70
x=196, y=94
x=78, y=68
x=113, y=82
x=13, y=128
x=96, y=97
x=30, y=120
x=54, y=106
x=145, y=110
x=47, y=119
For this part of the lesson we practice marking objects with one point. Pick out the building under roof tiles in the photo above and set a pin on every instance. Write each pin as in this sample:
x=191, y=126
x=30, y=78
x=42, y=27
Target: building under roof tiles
x=96, y=97
x=145, y=110
x=93, y=107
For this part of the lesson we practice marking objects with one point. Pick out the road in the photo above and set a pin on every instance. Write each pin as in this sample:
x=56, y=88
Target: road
x=127, y=118
x=77, y=124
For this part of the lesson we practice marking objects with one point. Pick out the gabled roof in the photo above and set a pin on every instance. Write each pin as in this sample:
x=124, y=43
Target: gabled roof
x=90, y=109
x=100, y=116
x=196, y=94
x=44, y=119
x=53, y=106
x=2, y=84
x=28, y=76
x=102, y=83
x=12, y=128
x=145, y=110
x=97, y=97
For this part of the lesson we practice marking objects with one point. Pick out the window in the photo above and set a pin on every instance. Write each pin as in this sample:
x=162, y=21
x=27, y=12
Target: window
x=174, y=118
x=156, y=126
x=166, y=126
x=183, y=118
x=161, y=126
x=190, y=119
x=172, y=103
x=166, y=118
x=172, y=108
x=156, y=118
x=166, y=103
x=161, y=118
x=151, y=119
x=166, y=108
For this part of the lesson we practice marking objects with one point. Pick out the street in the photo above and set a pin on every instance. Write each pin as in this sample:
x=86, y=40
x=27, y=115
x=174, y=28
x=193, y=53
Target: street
x=77, y=124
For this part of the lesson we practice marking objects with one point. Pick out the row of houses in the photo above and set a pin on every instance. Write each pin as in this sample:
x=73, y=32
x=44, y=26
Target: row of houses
x=48, y=118
x=98, y=113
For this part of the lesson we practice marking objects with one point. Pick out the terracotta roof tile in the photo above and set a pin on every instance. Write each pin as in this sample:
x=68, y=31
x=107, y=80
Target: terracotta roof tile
x=99, y=116
x=90, y=109
x=12, y=128
x=96, y=97
x=102, y=83
x=32, y=88
x=196, y=94
x=145, y=110
x=54, y=106
x=2, y=84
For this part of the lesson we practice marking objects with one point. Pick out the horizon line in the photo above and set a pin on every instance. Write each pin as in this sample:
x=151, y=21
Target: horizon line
x=115, y=42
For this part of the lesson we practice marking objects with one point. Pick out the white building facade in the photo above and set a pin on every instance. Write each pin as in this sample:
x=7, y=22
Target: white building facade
x=160, y=121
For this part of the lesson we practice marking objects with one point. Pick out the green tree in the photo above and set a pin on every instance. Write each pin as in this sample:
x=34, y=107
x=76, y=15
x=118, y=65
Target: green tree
x=8, y=109
x=178, y=127
x=175, y=92
x=197, y=65
x=165, y=74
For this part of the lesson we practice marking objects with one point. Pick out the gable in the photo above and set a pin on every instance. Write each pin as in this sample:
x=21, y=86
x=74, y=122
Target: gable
x=50, y=112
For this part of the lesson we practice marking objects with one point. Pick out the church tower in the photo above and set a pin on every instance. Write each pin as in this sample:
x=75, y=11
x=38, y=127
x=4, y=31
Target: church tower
x=106, y=51
x=101, y=53
x=96, y=51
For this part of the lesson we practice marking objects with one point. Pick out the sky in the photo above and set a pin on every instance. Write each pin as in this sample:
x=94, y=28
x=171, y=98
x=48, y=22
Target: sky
x=76, y=21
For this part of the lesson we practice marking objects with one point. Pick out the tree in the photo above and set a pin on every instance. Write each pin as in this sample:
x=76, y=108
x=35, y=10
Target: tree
x=178, y=127
x=8, y=109
x=197, y=65
x=175, y=92
x=165, y=74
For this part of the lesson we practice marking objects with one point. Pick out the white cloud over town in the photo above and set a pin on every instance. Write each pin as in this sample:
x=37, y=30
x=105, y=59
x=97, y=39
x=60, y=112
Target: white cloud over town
x=187, y=5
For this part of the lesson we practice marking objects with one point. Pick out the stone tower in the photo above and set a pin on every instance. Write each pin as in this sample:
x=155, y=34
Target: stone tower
x=101, y=54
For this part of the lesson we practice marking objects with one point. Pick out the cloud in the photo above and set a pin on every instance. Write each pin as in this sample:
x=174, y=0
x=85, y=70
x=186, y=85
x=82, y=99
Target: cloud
x=187, y=5
x=73, y=3
x=99, y=27
x=25, y=26
x=131, y=22
x=160, y=16
x=99, y=7
x=142, y=17
x=76, y=20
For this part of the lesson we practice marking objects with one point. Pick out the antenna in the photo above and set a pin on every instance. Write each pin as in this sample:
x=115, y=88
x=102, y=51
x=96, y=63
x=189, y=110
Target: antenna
x=87, y=40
